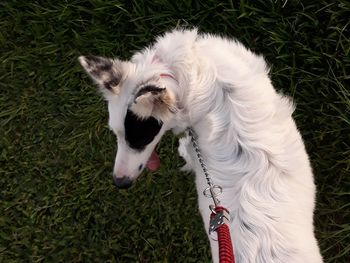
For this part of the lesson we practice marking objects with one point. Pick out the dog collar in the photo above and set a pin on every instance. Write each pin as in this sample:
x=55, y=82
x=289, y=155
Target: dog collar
x=166, y=75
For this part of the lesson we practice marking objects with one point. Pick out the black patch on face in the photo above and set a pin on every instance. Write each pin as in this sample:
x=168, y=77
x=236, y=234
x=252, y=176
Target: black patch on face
x=138, y=132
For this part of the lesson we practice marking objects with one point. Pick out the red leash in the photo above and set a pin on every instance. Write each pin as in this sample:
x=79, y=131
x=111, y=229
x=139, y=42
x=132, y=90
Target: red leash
x=224, y=237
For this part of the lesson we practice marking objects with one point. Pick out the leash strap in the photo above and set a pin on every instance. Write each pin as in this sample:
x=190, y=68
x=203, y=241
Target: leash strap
x=224, y=236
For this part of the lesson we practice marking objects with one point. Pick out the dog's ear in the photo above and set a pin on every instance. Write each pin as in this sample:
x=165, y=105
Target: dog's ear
x=151, y=100
x=106, y=72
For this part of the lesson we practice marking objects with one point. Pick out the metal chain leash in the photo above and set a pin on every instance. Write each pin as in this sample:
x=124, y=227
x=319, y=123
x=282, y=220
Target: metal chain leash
x=220, y=217
x=212, y=191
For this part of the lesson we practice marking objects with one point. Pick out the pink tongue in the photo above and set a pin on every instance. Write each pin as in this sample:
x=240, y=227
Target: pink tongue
x=153, y=162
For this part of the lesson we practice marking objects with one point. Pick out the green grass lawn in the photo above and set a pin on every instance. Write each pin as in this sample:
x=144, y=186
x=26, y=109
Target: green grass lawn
x=57, y=201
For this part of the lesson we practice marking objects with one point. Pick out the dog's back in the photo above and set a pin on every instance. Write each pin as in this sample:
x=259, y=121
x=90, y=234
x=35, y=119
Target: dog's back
x=252, y=148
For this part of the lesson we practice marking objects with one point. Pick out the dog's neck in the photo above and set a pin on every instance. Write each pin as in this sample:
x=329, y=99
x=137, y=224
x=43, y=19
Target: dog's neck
x=220, y=146
x=228, y=121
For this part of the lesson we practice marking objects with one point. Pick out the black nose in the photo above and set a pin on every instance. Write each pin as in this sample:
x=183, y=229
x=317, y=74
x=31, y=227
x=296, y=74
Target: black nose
x=122, y=182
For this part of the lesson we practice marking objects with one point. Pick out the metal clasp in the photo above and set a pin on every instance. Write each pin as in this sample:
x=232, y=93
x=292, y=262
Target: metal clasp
x=218, y=219
x=212, y=192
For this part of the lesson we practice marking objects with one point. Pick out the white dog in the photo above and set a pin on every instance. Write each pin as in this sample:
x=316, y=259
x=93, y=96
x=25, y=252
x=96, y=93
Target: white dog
x=245, y=130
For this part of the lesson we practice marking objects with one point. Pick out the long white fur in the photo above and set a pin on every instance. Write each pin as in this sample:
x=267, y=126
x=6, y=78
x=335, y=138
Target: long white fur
x=247, y=136
x=252, y=148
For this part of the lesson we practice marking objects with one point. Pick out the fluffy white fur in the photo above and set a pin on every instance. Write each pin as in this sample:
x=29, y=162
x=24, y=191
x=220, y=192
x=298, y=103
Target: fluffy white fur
x=246, y=133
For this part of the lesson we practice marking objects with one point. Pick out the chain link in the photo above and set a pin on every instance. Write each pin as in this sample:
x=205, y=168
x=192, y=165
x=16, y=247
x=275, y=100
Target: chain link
x=211, y=189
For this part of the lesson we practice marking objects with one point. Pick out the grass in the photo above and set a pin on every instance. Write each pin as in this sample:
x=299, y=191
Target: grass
x=57, y=200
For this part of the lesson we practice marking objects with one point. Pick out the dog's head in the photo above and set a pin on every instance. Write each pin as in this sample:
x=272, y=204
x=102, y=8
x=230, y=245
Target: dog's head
x=141, y=103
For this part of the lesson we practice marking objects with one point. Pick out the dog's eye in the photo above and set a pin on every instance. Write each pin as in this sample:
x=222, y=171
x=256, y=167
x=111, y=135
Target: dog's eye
x=138, y=132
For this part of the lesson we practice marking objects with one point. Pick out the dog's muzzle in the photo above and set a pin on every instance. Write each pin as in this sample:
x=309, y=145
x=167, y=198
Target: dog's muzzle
x=122, y=182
